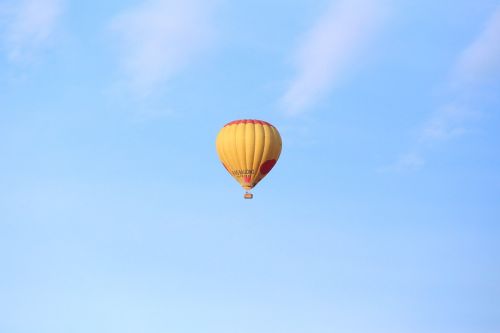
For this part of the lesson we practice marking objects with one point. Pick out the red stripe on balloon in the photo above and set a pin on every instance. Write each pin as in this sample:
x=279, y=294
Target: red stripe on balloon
x=248, y=121
x=267, y=166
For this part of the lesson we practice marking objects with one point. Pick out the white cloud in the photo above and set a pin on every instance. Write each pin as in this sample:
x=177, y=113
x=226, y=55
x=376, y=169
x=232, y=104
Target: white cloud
x=160, y=37
x=329, y=47
x=477, y=64
x=481, y=59
x=30, y=25
x=447, y=123
x=407, y=162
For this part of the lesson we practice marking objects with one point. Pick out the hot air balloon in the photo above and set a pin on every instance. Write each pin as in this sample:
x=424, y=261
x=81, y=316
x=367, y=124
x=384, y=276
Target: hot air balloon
x=248, y=149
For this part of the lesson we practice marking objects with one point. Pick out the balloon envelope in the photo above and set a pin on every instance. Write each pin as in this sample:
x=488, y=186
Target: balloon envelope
x=248, y=149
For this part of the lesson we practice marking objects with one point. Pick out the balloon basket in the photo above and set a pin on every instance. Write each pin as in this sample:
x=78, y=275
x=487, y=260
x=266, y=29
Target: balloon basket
x=248, y=195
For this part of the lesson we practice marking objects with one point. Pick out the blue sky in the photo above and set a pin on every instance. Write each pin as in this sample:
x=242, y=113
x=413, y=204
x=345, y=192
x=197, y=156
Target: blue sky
x=382, y=214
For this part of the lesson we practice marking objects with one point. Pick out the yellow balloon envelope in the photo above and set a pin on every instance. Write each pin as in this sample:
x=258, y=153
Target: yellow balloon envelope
x=248, y=149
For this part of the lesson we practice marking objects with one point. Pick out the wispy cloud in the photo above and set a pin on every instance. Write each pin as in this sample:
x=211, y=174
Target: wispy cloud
x=30, y=24
x=406, y=162
x=446, y=123
x=477, y=64
x=329, y=47
x=480, y=61
x=160, y=37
